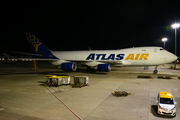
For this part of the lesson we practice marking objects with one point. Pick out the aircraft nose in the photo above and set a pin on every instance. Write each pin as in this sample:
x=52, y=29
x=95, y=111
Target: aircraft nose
x=171, y=57
x=174, y=57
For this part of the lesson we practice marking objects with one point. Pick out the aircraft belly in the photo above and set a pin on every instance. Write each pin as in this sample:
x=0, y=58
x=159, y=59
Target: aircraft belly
x=94, y=63
x=142, y=62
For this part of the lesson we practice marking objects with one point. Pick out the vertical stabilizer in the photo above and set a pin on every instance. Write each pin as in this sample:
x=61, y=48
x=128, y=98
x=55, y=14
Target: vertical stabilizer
x=38, y=47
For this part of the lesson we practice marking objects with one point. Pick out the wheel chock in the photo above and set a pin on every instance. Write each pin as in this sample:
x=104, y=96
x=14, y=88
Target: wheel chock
x=121, y=93
x=140, y=76
x=164, y=77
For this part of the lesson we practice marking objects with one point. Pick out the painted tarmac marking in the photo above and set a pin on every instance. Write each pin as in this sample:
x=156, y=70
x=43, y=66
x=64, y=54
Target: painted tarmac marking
x=60, y=90
x=56, y=90
x=175, y=90
x=64, y=104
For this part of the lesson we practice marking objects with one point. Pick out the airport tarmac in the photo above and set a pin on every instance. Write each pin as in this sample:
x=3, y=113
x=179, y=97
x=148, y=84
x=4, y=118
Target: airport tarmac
x=23, y=95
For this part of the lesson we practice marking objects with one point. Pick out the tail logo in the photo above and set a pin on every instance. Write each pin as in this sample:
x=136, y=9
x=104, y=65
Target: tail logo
x=33, y=41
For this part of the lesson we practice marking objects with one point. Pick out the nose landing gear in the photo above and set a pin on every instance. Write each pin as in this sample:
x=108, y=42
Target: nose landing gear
x=155, y=71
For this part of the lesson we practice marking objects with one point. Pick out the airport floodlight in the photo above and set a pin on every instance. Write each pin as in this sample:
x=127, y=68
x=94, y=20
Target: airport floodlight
x=174, y=26
x=164, y=40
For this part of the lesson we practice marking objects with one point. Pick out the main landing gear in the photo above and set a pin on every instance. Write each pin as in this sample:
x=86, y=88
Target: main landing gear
x=155, y=71
x=90, y=69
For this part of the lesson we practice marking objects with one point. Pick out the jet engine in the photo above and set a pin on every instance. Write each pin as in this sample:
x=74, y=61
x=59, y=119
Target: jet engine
x=104, y=67
x=69, y=66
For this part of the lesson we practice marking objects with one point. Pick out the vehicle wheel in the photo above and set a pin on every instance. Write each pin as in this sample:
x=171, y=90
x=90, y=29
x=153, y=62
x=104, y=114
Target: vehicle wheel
x=157, y=113
x=174, y=115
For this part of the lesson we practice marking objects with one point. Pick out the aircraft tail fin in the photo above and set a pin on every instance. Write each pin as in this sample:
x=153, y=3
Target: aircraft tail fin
x=38, y=47
x=8, y=56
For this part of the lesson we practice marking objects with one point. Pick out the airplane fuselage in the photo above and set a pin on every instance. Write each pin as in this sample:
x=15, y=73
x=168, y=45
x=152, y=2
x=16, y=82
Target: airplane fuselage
x=145, y=56
x=100, y=60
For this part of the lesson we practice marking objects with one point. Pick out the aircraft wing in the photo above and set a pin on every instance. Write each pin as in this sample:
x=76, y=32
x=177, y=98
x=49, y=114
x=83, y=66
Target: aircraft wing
x=116, y=63
x=95, y=63
x=37, y=56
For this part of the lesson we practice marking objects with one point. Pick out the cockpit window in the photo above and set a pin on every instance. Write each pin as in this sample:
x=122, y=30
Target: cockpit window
x=161, y=49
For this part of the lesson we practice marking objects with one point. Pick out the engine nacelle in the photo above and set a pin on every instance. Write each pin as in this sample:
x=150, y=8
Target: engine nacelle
x=70, y=66
x=104, y=67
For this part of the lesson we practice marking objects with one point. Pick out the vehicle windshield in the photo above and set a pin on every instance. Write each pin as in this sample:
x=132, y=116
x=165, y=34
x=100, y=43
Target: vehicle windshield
x=166, y=101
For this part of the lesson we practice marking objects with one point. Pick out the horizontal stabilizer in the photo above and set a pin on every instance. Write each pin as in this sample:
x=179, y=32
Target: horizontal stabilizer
x=33, y=54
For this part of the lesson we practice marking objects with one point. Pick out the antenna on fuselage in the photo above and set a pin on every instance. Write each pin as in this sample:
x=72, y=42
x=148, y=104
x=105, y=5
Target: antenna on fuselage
x=90, y=48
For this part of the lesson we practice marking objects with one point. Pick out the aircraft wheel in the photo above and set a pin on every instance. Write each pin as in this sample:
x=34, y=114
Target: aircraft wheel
x=90, y=70
x=58, y=67
x=93, y=70
x=155, y=71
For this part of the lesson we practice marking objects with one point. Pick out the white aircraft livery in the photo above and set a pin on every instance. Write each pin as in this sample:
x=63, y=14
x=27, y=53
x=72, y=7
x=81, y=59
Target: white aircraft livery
x=100, y=60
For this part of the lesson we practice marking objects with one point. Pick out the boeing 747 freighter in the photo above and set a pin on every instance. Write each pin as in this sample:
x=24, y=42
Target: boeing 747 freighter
x=100, y=60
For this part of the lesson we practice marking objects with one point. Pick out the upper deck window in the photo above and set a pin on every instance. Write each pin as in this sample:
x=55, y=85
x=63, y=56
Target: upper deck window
x=155, y=50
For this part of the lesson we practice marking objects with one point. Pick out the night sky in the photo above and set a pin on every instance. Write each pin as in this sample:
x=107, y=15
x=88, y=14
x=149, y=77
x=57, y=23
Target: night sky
x=75, y=25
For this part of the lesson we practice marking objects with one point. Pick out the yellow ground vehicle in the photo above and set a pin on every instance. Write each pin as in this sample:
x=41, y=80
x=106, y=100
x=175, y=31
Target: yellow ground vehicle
x=166, y=104
x=54, y=80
